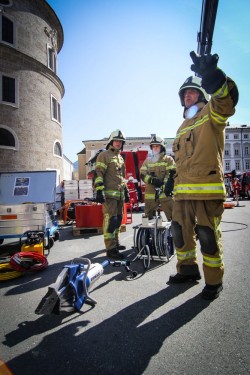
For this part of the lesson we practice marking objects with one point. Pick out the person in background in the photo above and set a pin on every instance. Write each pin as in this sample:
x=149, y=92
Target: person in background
x=62, y=192
x=112, y=192
x=236, y=190
x=199, y=189
x=157, y=172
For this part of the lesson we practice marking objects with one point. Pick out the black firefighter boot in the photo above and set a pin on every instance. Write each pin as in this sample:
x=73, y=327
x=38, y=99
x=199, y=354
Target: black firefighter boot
x=114, y=254
x=187, y=273
x=119, y=246
x=210, y=292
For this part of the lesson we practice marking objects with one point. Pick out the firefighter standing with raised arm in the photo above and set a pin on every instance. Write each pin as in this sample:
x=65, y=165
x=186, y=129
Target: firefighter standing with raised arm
x=199, y=189
x=156, y=171
x=111, y=191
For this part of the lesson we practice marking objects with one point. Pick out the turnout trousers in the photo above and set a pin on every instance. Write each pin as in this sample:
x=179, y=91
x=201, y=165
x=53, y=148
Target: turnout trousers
x=194, y=219
x=166, y=206
x=112, y=218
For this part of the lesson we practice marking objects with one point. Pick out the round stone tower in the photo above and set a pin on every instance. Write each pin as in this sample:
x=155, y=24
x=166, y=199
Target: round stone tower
x=31, y=36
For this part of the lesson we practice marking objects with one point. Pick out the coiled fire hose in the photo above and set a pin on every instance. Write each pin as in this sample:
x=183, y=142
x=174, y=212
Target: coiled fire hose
x=7, y=272
x=28, y=261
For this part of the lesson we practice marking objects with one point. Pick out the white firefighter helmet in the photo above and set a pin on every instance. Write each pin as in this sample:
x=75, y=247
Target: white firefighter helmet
x=155, y=140
x=193, y=83
x=116, y=135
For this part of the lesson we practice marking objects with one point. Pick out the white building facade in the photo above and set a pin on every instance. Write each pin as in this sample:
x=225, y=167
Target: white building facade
x=237, y=149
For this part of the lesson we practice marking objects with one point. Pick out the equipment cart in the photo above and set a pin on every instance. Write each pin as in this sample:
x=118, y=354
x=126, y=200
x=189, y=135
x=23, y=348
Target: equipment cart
x=153, y=240
x=27, y=204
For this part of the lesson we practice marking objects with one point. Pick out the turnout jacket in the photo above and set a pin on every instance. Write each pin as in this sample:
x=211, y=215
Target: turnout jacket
x=110, y=174
x=159, y=169
x=199, y=149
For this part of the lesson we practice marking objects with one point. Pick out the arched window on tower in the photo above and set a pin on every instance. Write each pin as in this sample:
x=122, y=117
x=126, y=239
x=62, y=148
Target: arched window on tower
x=8, y=138
x=57, y=149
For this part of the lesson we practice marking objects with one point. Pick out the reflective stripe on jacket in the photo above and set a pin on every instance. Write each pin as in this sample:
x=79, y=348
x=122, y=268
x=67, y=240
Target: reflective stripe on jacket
x=199, y=149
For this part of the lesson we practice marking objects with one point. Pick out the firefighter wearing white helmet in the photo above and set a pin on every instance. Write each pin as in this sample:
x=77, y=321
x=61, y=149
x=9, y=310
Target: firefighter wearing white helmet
x=111, y=191
x=118, y=136
x=193, y=82
x=199, y=189
x=157, y=172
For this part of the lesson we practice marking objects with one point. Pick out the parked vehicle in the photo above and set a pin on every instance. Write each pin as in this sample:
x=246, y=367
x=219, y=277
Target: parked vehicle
x=245, y=184
x=244, y=179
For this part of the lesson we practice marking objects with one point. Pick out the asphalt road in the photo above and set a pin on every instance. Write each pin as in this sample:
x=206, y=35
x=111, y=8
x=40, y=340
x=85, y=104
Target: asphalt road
x=138, y=326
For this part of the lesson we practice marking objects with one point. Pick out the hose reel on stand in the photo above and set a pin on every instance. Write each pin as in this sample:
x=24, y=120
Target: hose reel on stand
x=153, y=240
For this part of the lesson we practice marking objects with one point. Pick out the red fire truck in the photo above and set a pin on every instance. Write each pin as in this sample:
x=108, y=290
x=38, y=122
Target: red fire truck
x=245, y=183
x=244, y=179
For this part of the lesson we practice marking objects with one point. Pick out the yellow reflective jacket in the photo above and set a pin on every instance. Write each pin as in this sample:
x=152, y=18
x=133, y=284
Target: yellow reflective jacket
x=199, y=149
x=110, y=174
x=159, y=169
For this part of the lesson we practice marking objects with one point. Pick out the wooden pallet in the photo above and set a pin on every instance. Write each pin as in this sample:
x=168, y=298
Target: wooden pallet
x=123, y=228
x=78, y=231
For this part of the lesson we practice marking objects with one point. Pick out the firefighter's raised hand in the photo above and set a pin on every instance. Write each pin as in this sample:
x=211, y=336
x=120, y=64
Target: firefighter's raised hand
x=156, y=182
x=205, y=64
x=100, y=197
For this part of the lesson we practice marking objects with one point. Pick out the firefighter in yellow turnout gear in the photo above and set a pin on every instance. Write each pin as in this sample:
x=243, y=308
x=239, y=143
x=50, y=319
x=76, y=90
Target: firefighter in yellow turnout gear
x=157, y=171
x=111, y=191
x=199, y=189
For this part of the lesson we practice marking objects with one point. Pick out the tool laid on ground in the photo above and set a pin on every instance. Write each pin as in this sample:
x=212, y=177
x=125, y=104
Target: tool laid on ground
x=70, y=291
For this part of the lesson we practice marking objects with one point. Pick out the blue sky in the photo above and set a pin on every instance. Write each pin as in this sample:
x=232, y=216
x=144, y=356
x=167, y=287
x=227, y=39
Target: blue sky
x=123, y=62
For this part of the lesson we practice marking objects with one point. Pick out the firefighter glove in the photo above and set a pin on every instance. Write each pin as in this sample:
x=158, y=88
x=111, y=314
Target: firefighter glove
x=206, y=67
x=126, y=194
x=156, y=182
x=169, y=186
x=100, y=197
x=205, y=64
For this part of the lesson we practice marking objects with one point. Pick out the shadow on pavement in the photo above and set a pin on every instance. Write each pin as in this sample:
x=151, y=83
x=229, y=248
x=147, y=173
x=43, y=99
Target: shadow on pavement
x=121, y=344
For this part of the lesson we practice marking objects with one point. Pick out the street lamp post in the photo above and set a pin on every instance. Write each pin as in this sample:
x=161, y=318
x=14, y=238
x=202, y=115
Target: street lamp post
x=241, y=142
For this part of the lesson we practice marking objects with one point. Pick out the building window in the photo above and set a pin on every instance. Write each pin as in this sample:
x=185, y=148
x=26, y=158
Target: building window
x=247, y=164
x=246, y=150
x=57, y=149
x=245, y=136
x=227, y=136
x=227, y=166
x=8, y=138
x=55, y=110
x=52, y=62
x=8, y=90
x=237, y=165
x=7, y=30
x=236, y=136
x=226, y=152
x=236, y=151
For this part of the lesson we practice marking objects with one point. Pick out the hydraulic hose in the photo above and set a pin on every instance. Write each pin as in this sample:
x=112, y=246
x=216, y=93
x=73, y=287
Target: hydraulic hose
x=28, y=261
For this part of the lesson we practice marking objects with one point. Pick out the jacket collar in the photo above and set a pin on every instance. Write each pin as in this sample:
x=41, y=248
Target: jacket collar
x=193, y=110
x=111, y=148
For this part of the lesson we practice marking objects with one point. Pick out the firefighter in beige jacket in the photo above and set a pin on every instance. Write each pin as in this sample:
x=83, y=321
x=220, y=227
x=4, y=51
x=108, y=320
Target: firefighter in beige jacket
x=199, y=189
x=112, y=192
x=157, y=173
